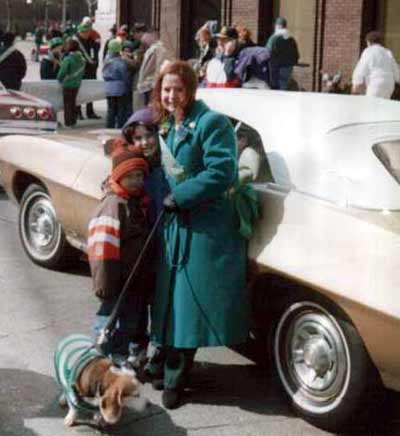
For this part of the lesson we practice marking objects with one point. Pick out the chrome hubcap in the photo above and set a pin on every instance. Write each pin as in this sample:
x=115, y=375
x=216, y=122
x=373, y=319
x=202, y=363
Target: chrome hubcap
x=40, y=230
x=312, y=356
x=41, y=222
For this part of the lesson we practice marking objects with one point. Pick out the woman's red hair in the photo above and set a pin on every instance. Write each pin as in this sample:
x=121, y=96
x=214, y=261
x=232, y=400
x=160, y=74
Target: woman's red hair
x=185, y=72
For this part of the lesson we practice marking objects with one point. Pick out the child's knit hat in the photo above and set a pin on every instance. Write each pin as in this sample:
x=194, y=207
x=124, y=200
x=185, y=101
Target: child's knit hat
x=126, y=158
x=114, y=46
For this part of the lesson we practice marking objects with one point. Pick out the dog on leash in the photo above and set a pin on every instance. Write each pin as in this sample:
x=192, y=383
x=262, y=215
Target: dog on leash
x=91, y=383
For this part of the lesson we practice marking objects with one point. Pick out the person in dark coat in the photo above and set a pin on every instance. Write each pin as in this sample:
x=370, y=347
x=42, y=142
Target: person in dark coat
x=90, y=51
x=201, y=298
x=12, y=63
x=118, y=86
x=284, y=55
x=50, y=65
x=39, y=33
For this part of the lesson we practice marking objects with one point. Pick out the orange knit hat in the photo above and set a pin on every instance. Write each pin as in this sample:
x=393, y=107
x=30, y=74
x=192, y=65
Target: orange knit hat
x=126, y=158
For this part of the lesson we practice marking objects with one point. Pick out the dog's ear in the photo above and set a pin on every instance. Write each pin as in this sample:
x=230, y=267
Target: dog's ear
x=110, y=406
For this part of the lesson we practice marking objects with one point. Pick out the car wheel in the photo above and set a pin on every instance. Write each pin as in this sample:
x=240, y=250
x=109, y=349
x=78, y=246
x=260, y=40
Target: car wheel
x=322, y=363
x=41, y=234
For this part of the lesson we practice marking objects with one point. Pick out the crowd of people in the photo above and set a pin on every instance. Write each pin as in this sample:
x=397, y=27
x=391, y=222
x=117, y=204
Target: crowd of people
x=133, y=57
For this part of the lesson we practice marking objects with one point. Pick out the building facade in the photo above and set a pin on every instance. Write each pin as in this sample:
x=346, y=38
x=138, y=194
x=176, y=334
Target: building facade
x=330, y=33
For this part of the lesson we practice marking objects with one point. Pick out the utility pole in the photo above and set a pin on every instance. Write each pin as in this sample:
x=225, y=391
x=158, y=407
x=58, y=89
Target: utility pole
x=64, y=13
x=8, y=7
x=46, y=15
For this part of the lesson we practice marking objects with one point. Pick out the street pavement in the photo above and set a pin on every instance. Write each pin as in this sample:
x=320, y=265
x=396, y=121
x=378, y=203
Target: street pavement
x=228, y=394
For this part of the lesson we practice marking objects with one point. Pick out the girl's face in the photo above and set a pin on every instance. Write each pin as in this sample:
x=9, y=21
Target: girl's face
x=132, y=180
x=145, y=139
x=173, y=93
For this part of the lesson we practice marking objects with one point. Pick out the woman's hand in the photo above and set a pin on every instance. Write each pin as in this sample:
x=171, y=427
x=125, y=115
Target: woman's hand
x=170, y=204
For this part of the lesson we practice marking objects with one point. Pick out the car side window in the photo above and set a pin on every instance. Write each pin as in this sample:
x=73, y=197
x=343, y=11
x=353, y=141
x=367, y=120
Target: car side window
x=388, y=153
x=253, y=161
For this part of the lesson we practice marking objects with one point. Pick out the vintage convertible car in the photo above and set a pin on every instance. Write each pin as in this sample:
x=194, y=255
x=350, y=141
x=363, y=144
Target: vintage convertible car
x=326, y=254
x=25, y=114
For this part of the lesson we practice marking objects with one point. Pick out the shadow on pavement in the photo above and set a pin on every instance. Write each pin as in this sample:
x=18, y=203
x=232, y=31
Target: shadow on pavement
x=248, y=387
x=256, y=389
x=26, y=395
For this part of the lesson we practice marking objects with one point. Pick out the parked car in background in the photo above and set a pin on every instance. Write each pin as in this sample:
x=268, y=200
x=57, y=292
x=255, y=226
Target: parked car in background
x=325, y=255
x=21, y=113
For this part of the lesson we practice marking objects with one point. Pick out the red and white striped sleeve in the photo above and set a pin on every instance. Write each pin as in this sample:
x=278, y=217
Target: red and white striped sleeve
x=104, y=238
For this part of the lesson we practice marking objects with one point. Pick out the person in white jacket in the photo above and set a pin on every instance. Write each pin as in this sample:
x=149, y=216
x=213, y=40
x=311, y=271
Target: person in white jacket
x=377, y=70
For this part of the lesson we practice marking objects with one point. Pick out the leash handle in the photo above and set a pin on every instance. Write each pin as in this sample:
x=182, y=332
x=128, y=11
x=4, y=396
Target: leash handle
x=105, y=333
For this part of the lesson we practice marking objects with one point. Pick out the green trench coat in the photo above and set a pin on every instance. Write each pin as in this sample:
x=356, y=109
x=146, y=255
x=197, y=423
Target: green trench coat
x=201, y=298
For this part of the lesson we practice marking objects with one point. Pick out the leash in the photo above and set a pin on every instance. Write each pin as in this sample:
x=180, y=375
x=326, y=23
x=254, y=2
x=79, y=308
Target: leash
x=105, y=334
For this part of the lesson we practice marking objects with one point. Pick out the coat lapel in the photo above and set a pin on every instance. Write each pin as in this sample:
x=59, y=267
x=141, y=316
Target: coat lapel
x=188, y=127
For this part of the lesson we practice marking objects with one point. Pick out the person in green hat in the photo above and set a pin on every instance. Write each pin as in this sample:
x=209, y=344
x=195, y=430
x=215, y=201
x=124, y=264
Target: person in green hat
x=118, y=85
x=50, y=65
x=70, y=76
x=90, y=51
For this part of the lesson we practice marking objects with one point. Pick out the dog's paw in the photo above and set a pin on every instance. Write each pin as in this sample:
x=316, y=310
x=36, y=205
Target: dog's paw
x=62, y=401
x=99, y=421
x=69, y=420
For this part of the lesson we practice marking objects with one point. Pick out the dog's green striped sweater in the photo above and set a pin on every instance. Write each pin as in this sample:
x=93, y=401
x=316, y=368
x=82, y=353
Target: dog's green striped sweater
x=72, y=355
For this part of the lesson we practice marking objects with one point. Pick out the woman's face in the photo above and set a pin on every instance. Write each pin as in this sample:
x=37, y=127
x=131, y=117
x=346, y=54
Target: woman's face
x=145, y=139
x=173, y=93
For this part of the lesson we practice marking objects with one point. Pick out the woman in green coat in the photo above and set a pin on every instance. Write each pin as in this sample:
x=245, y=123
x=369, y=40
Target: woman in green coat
x=201, y=299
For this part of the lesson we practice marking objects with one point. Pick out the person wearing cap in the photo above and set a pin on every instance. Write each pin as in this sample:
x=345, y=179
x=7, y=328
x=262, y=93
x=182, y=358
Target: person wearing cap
x=90, y=51
x=113, y=35
x=12, y=63
x=220, y=71
x=94, y=34
x=117, y=232
x=118, y=86
x=70, y=76
x=139, y=29
x=284, y=55
x=128, y=55
x=50, y=65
